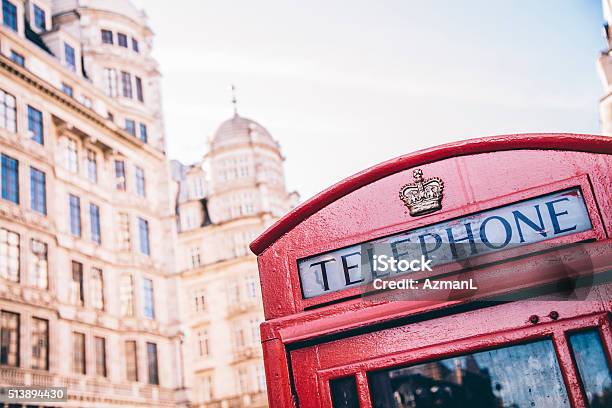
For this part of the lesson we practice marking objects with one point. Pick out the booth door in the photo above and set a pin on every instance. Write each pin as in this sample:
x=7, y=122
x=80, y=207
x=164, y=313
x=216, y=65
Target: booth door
x=494, y=357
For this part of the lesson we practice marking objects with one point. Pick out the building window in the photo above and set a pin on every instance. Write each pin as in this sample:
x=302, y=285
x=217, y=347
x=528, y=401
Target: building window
x=8, y=112
x=251, y=288
x=72, y=155
x=110, y=82
x=17, y=58
x=135, y=45
x=239, y=338
x=79, y=361
x=76, y=285
x=203, y=343
x=196, y=259
x=233, y=293
x=35, y=125
x=107, y=36
x=40, y=20
x=130, y=127
x=75, y=215
x=9, y=339
x=243, y=380
x=94, y=219
x=67, y=89
x=120, y=175
x=86, y=101
x=122, y=40
x=124, y=232
x=9, y=14
x=261, y=378
x=38, y=191
x=131, y=360
x=143, y=233
x=200, y=300
x=100, y=343
x=70, y=57
x=39, y=275
x=206, y=387
x=126, y=84
x=152, y=363
x=126, y=295
x=139, y=92
x=148, y=298
x=97, y=288
x=10, y=179
x=92, y=166
x=9, y=255
x=140, y=182
x=40, y=344
x=143, y=133
x=255, y=333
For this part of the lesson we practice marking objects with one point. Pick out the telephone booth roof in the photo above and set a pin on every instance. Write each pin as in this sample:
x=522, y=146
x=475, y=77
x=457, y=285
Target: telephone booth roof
x=535, y=141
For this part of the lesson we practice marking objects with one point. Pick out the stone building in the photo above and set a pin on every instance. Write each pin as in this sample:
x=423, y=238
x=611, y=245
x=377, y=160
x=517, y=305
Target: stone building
x=123, y=277
x=224, y=203
x=604, y=66
x=87, y=296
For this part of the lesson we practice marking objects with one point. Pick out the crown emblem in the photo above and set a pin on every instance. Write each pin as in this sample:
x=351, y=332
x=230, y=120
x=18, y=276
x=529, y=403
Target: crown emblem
x=424, y=196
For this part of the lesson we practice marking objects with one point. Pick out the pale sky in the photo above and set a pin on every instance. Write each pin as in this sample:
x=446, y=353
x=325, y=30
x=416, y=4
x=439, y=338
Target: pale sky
x=346, y=84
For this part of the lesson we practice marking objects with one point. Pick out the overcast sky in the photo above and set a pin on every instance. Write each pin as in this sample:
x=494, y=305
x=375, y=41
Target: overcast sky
x=346, y=84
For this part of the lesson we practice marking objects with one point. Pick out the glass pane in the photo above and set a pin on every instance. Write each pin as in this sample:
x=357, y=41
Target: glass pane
x=525, y=375
x=344, y=392
x=592, y=367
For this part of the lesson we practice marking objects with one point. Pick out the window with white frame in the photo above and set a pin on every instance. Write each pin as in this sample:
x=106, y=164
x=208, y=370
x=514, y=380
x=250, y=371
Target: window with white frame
x=96, y=285
x=8, y=112
x=76, y=284
x=233, y=292
x=110, y=82
x=239, y=336
x=260, y=373
x=124, y=232
x=92, y=166
x=9, y=255
x=126, y=295
x=206, y=388
x=199, y=298
x=243, y=379
x=254, y=324
x=39, y=273
x=196, y=260
x=203, y=343
x=71, y=155
x=252, y=287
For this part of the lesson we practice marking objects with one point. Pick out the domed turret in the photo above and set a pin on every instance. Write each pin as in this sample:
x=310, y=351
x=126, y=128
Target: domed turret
x=239, y=130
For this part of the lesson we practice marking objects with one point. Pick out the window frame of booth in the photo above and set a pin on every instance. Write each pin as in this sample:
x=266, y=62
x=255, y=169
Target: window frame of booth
x=557, y=332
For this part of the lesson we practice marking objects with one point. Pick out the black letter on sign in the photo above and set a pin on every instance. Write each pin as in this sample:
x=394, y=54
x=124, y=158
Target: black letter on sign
x=518, y=216
x=554, y=216
x=453, y=241
x=323, y=271
x=483, y=232
x=424, y=250
x=347, y=277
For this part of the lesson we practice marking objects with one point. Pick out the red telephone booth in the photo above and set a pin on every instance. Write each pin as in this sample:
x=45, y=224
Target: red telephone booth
x=529, y=210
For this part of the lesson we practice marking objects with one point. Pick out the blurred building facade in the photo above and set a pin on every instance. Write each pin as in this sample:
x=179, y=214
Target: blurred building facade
x=604, y=66
x=223, y=204
x=123, y=277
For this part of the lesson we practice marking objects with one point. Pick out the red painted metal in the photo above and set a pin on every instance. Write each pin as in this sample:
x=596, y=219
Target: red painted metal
x=309, y=341
x=535, y=141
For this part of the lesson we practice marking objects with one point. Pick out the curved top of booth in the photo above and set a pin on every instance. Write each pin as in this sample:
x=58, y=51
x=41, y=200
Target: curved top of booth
x=552, y=141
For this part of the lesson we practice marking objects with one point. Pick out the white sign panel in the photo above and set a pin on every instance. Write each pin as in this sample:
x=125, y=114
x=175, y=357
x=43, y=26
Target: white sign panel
x=534, y=220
